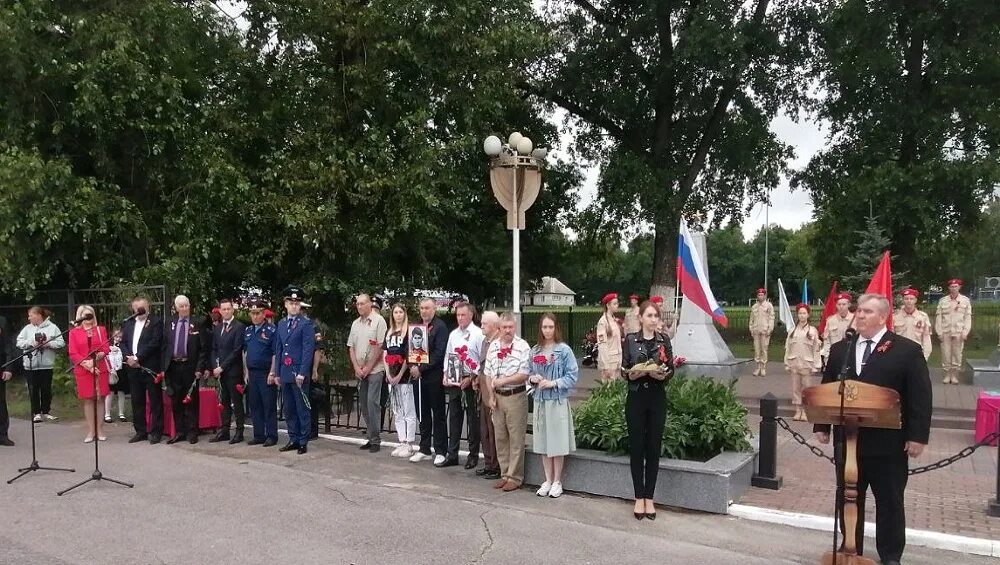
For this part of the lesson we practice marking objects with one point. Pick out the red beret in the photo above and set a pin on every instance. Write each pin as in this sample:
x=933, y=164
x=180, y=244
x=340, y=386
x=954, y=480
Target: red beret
x=656, y=299
x=955, y=281
x=216, y=310
x=633, y=297
x=911, y=292
x=761, y=291
x=844, y=296
x=803, y=305
x=609, y=297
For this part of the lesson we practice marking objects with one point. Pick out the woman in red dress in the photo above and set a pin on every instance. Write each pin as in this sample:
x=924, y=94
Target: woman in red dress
x=83, y=367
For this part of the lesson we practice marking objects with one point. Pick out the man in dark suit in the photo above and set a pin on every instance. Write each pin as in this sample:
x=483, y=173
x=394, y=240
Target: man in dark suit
x=882, y=358
x=430, y=389
x=227, y=363
x=185, y=359
x=142, y=341
x=291, y=367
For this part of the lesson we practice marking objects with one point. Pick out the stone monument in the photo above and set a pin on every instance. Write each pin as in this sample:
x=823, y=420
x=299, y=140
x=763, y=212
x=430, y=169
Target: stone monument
x=698, y=341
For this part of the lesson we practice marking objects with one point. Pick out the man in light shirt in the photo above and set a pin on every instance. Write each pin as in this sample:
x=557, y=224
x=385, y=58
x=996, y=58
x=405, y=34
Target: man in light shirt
x=507, y=365
x=364, y=346
x=464, y=349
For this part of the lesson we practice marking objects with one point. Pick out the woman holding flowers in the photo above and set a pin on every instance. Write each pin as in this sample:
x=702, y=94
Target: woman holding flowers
x=649, y=360
x=400, y=387
x=554, y=374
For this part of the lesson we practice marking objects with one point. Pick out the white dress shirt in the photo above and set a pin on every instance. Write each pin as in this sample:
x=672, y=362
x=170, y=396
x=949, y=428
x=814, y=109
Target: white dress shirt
x=859, y=348
x=136, y=332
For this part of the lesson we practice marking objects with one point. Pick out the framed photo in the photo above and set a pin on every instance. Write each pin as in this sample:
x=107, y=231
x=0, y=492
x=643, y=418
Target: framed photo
x=418, y=345
x=452, y=371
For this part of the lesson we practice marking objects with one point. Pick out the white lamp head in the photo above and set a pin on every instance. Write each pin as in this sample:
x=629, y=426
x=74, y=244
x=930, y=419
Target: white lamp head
x=539, y=153
x=492, y=146
x=514, y=139
x=524, y=146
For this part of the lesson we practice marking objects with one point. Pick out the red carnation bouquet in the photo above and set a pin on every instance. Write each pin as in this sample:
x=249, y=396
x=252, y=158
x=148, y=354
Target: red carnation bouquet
x=395, y=363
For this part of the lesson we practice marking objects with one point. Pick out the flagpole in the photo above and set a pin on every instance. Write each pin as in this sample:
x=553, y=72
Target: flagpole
x=767, y=232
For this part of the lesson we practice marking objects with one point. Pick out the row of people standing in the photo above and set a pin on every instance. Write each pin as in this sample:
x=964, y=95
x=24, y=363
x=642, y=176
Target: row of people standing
x=470, y=378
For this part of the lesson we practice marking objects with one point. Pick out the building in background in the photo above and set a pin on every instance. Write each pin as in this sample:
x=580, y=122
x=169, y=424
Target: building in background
x=551, y=292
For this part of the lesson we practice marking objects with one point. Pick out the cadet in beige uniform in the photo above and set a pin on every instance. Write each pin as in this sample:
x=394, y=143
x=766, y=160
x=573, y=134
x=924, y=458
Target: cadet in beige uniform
x=632, y=316
x=912, y=323
x=761, y=326
x=609, y=340
x=802, y=356
x=837, y=324
x=954, y=320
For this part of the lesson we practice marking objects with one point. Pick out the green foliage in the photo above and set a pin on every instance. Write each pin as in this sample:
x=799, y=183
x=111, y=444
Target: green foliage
x=911, y=103
x=704, y=418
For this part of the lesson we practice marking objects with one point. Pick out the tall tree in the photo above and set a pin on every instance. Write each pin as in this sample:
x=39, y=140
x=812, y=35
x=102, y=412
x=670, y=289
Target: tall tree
x=910, y=95
x=674, y=100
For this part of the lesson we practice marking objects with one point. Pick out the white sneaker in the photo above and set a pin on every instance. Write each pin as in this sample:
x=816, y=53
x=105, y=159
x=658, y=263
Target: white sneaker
x=405, y=451
x=556, y=490
x=418, y=457
x=439, y=459
x=51, y=418
x=397, y=451
x=37, y=419
x=544, y=489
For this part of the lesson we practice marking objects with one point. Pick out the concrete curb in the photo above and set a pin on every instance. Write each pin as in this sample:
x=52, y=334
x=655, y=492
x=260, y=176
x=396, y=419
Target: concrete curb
x=923, y=538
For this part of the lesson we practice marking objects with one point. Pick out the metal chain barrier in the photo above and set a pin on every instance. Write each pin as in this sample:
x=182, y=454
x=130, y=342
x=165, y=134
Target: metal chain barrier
x=799, y=438
x=802, y=440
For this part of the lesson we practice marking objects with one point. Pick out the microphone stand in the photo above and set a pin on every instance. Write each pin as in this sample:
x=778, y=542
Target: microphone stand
x=33, y=466
x=96, y=373
x=838, y=446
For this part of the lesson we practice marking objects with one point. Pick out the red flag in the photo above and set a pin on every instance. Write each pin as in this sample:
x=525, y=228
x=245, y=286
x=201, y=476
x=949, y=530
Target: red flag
x=829, y=307
x=882, y=284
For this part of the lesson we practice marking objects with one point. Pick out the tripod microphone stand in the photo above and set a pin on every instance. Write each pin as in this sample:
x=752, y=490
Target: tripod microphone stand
x=33, y=466
x=96, y=373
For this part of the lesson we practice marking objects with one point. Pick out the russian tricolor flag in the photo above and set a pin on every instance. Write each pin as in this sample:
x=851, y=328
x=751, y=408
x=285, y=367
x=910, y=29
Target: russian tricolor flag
x=693, y=278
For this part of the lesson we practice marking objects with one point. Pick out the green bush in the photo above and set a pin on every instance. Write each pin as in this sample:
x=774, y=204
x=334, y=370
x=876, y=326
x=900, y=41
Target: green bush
x=704, y=418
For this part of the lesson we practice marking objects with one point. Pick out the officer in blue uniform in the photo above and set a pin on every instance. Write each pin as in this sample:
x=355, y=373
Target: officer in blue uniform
x=258, y=351
x=294, y=344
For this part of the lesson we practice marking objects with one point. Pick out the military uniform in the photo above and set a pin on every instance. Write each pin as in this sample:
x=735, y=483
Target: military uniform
x=915, y=326
x=294, y=345
x=258, y=344
x=954, y=320
x=836, y=326
x=802, y=359
x=761, y=326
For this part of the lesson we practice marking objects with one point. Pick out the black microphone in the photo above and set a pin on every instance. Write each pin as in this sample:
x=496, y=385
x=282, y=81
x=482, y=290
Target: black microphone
x=85, y=317
x=140, y=311
x=852, y=335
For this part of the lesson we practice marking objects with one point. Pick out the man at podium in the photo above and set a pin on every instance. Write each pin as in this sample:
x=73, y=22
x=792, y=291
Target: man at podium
x=880, y=357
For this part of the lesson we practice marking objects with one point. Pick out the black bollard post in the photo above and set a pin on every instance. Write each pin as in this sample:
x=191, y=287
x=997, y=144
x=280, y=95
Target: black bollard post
x=767, y=458
x=994, y=508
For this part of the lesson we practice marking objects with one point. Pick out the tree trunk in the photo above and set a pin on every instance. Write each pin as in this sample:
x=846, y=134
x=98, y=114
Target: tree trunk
x=665, y=256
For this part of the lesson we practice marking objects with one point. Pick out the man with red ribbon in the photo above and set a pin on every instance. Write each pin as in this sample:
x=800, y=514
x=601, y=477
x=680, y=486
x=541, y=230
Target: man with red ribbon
x=507, y=366
x=464, y=347
x=291, y=365
x=364, y=348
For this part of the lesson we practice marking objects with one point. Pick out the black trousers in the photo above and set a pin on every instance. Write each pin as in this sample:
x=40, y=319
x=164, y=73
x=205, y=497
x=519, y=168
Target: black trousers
x=462, y=405
x=431, y=404
x=40, y=390
x=645, y=414
x=4, y=415
x=232, y=402
x=887, y=476
x=141, y=384
x=180, y=375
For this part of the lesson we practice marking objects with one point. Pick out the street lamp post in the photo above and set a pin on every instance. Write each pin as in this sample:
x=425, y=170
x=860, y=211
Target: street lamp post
x=516, y=178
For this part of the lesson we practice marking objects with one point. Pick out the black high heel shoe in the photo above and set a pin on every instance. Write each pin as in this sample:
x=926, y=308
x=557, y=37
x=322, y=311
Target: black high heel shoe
x=638, y=515
x=650, y=516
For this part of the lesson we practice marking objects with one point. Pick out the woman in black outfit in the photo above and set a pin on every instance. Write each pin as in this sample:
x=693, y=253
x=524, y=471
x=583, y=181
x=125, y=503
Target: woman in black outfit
x=648, y=360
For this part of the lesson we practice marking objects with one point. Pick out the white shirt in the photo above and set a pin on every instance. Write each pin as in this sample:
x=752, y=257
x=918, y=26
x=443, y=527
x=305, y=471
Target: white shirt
x=859, y=348
x=472, y=339
x=139, y=325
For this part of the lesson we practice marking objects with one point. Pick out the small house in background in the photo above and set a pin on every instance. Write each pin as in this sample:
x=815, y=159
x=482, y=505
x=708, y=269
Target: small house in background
x=551, y=292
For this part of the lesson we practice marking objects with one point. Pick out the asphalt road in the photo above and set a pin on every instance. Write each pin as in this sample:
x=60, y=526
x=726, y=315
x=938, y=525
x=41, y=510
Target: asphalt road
x=213, y=503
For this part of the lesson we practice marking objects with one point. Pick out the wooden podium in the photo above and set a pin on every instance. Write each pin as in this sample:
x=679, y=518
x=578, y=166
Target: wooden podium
x=864, y=406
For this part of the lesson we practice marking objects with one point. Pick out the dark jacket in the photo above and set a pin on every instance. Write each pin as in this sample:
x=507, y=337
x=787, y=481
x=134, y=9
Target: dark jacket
x=634, y=352
x=437, y=346
x=900, y=366
x=227, y=349
x=150, y=343
x=198, y=346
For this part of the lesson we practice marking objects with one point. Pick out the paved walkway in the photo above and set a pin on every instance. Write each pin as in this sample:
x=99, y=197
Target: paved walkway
x=213, y=503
